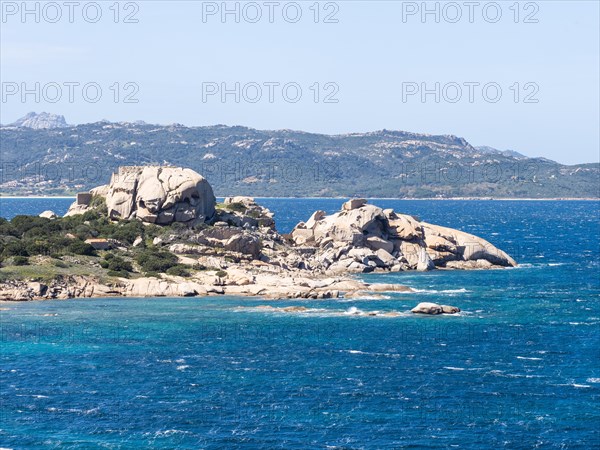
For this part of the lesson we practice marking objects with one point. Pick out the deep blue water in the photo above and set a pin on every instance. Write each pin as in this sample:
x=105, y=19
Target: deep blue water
x=519, y=368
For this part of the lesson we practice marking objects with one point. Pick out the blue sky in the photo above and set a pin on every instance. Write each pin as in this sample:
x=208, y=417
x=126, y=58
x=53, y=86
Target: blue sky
x=376, y=60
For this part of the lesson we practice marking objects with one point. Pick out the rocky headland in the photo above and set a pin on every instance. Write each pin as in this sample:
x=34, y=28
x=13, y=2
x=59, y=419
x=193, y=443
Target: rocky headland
x=233, y=248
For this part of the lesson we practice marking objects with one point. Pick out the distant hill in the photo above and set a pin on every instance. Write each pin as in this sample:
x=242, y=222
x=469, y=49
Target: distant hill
x=54, y=160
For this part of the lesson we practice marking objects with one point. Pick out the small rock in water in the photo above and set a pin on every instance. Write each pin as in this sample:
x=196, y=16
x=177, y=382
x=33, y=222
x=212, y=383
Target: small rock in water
x=434, y=309
x=450, y=309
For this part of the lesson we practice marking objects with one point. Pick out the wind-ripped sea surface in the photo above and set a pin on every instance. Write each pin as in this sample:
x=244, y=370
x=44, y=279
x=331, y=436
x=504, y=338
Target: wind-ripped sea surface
x=518, y=368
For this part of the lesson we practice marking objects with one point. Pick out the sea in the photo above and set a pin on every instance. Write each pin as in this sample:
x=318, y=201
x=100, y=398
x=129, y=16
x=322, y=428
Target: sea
x=518, y=368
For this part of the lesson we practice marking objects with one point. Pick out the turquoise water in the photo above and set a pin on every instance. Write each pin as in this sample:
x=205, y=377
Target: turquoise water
x=519, y=368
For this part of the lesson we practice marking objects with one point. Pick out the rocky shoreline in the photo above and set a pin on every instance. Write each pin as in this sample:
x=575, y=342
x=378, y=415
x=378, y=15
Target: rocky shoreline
x=267, y=287
x=238, y=283
x=234, y=248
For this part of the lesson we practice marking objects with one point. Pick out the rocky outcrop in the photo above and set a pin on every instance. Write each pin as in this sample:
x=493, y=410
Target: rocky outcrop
x=248, y=280
x=365, y=238
x=354, y=203
x=61, y=288
x=76, y=209
x=154, y=287
x=244, y=212
x=48, y=215
x=160, y=195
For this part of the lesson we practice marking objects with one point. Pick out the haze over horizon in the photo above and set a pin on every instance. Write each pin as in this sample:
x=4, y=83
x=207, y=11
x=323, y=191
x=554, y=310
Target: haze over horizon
x=359, y=69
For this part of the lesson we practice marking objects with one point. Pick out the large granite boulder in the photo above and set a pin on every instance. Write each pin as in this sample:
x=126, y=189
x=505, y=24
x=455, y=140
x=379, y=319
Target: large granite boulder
x=247, y=244
x=353, y=226
x=362, y=238
x=402, y=226
x=155, y=194
x=465, y=246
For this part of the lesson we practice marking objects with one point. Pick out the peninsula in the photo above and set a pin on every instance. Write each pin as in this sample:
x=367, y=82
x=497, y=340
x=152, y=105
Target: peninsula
x=158, y=231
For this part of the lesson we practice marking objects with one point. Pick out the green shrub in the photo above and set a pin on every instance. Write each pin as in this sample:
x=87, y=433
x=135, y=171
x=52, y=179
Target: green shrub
x=118, y=264
x=60, y=264
x=115, y=263
x=151, y=231
x=90, y=216
x=221, y=274
x=237, y=207
x=46, y=245
x=118, y=273
x=84, y=232
x=179, y=271
x=58, y=245
x=6, y=228
x=14, y=248
x=178, y=226
x=156, y=260
x=22, y=224
x=127, y=231
x=78, y=247
x=37, y=246
x=99, y=204
x=153, y=274
x=20, y=261
x=44, y=229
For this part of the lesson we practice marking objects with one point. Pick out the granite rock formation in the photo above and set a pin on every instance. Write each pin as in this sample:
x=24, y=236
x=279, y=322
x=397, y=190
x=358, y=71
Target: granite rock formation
x=363, y=238
x=153, y=194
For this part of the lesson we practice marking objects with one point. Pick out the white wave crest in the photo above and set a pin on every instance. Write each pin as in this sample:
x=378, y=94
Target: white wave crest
x=442, y=291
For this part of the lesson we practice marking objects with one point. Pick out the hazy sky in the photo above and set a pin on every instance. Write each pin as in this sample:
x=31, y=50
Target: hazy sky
x=524, y=78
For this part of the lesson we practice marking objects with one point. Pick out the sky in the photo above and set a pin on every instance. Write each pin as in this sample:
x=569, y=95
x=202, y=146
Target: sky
x=511, y=75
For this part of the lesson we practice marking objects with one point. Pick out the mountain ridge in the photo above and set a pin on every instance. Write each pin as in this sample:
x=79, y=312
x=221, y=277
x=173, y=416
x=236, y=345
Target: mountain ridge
x=263, y=163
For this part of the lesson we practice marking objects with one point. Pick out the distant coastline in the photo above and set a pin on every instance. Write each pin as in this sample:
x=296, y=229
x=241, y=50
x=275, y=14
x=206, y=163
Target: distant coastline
x=58, y=197
x=274, y=163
